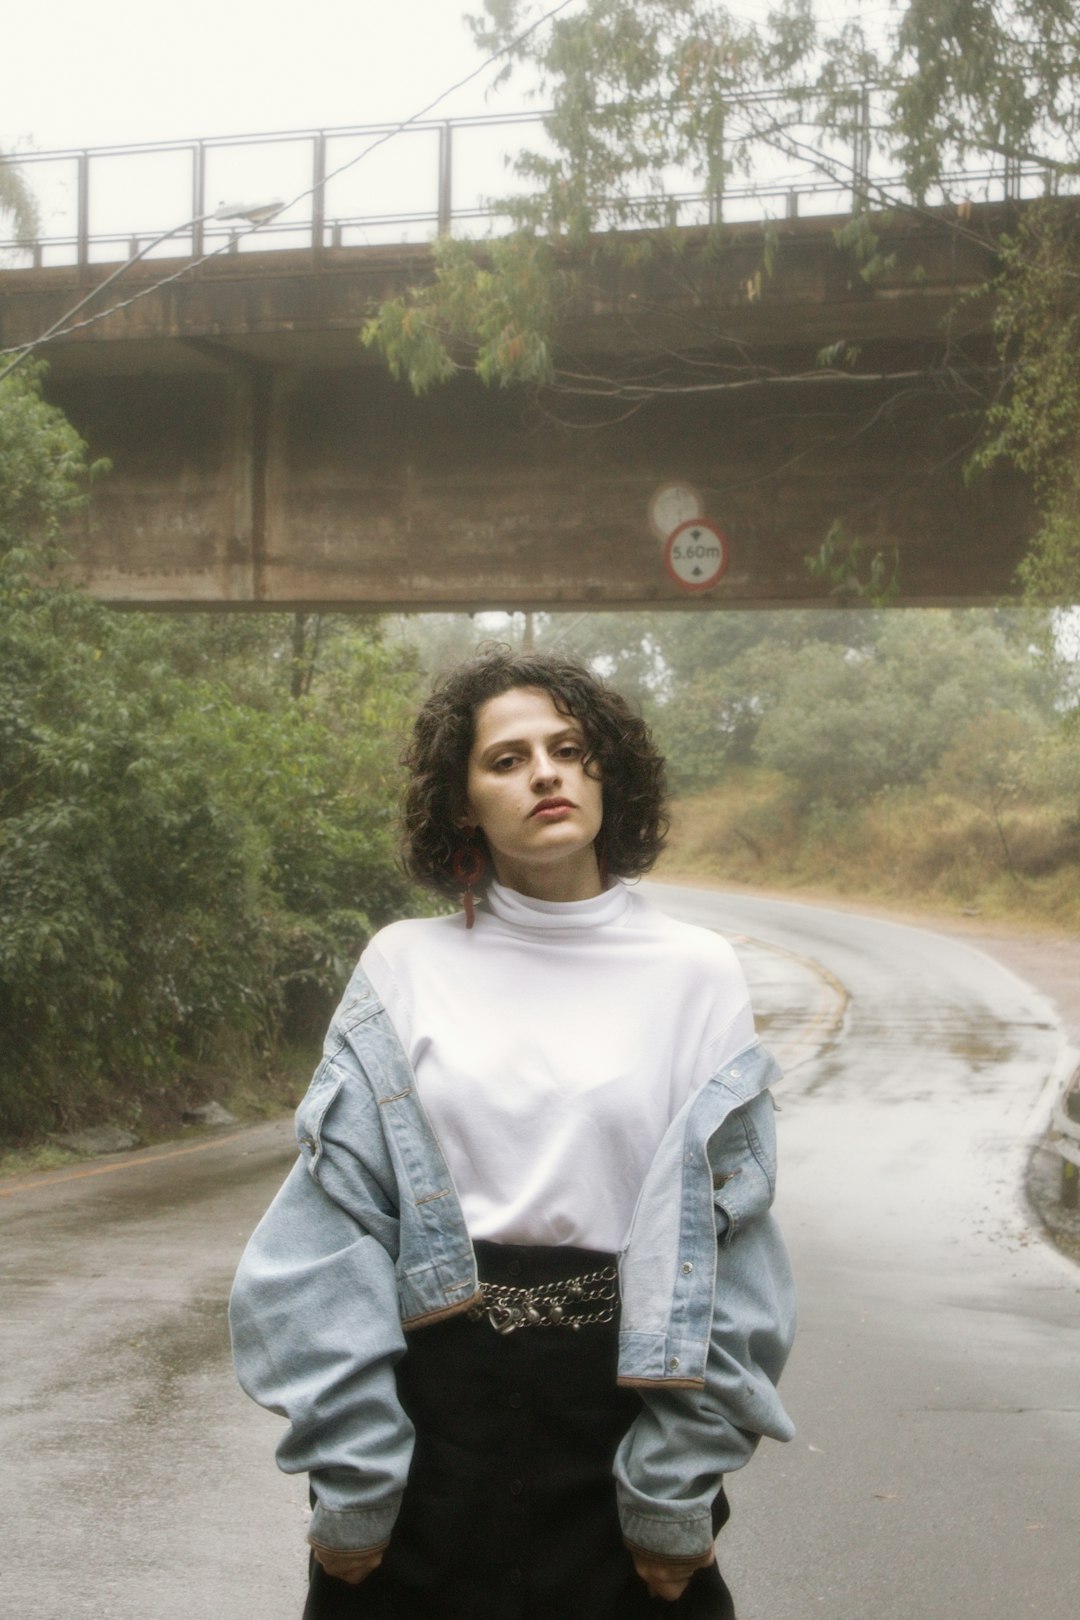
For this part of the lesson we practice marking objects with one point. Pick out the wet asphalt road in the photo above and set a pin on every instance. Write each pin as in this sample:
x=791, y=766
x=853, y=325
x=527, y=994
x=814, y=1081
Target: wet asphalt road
x=936, y=1381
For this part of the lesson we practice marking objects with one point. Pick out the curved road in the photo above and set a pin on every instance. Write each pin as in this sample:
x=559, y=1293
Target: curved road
x=936, y=1381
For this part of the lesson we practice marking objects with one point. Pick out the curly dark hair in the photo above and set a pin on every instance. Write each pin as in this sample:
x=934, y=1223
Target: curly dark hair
x=620, y=749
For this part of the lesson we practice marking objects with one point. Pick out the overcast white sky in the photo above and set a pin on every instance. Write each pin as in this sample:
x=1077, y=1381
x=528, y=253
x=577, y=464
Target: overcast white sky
x=120, y=71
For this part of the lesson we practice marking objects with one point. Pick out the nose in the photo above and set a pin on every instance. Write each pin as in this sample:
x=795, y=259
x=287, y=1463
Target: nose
x=546, y=773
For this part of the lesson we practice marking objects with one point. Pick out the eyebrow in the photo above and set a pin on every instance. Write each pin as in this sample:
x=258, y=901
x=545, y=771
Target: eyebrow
x=507, y=743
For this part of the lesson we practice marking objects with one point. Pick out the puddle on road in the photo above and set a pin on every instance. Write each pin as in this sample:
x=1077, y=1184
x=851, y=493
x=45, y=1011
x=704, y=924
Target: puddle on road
x=980, y=1052
x=190, y=1343
x=952, y=1054
x=191, y=1340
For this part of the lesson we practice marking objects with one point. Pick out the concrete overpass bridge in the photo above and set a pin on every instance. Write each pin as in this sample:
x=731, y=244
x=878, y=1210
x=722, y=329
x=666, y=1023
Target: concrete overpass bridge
x=261, y=457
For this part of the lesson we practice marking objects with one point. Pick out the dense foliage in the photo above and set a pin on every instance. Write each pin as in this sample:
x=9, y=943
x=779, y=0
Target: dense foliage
x=1035, y=422
x=190, y=856
x=18, y=208
x=840, y=704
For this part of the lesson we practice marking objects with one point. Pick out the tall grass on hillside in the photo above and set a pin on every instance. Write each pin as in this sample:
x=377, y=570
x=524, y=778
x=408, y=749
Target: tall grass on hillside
x=916, y=847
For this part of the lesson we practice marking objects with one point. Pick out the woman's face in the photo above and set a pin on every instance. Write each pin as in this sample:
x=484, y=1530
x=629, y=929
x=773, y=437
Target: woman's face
x=529, y=793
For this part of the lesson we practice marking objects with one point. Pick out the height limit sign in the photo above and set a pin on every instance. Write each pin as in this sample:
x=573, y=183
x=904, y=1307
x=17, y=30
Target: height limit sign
x=696, y=554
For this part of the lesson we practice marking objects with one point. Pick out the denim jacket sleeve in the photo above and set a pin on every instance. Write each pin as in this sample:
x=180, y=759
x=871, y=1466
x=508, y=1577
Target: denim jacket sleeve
x=315, y=1320
x=690, y=1432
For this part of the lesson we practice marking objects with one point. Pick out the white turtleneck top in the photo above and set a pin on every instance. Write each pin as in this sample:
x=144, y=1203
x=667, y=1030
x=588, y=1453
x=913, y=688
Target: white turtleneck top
x=552, y=1045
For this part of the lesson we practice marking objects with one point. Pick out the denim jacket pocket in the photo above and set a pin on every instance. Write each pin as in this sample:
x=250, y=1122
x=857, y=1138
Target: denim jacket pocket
x=742, y=1155
x=326, y=1082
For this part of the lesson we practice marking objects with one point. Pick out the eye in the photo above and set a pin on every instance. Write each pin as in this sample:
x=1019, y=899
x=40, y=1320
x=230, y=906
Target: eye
x=505, y=762
x=569, y=750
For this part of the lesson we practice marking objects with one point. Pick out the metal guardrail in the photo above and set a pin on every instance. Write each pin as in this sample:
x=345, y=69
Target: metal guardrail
x=82, y=183
x=1066, y=1123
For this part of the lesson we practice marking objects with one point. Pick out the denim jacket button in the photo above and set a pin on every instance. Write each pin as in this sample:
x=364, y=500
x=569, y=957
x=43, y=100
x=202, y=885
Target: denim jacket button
x=687, y=1267
x=673, y=1364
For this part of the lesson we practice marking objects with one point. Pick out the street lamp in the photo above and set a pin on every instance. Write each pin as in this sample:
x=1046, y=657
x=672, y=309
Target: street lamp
x=255, y=213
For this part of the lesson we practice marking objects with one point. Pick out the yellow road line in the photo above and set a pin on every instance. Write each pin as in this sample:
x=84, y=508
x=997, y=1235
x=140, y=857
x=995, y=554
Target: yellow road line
x=50, y=1178
x=829, y=1014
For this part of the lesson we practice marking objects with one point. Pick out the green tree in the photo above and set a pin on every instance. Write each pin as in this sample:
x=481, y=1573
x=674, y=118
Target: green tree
x=974, y=77
x=121, y=878
x=985, y=766
x=650, y=97
x=18, y=206
x=190, y=857
x=44, y=475
x=640, y=92
x=1035, y=422
x=846, y=725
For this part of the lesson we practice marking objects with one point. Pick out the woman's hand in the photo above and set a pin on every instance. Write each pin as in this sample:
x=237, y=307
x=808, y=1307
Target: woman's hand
x=353, y=1567
x=669, y=1581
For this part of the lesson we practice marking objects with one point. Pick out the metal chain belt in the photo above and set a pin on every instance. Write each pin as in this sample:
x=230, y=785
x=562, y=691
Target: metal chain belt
x=556, y=1304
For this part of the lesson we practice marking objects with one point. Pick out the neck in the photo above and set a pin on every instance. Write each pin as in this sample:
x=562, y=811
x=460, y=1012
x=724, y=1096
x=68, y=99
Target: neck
x=574, y=879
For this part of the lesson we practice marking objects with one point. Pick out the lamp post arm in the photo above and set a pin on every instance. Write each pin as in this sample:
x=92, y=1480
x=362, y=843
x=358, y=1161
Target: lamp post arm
x=120, y=270
x=256, y=214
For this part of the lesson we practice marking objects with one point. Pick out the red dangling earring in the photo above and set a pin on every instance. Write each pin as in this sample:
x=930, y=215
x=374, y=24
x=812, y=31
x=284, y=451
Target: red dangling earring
x=468, y=866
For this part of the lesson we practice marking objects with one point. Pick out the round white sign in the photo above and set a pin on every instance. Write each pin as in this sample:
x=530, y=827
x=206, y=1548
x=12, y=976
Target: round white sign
x=672, y=504
x=696, y=554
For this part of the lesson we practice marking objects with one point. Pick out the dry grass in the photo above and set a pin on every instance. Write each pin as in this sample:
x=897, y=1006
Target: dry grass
x=921, y=850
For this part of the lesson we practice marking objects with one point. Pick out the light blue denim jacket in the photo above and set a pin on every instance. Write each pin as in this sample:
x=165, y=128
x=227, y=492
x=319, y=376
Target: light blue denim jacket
x=366, y=1241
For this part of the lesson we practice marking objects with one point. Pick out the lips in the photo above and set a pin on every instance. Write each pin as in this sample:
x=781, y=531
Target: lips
x=551, y=804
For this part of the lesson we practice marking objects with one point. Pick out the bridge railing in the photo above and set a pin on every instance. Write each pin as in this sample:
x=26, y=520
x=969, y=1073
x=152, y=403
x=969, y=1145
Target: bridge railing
x=395, y=184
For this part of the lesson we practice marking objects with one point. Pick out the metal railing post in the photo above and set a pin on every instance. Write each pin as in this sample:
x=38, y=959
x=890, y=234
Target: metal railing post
x=1013, y=185
x=446, y=178
x=82, y=225
x=198, y=197
x=1070, y=1185
x=716, y=195
x=1019, y=179
x=318, y=194
x=860, y=155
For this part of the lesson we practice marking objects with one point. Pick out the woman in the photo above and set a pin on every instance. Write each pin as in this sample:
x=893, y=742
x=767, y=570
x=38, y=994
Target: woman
x=521, y=1298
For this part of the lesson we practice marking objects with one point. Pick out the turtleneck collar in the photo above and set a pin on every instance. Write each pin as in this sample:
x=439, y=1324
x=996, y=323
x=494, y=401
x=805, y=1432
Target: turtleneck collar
x=522, y=911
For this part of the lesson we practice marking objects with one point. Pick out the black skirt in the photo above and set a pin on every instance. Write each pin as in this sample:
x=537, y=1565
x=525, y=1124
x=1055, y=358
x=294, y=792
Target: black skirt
x=509, y=1512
